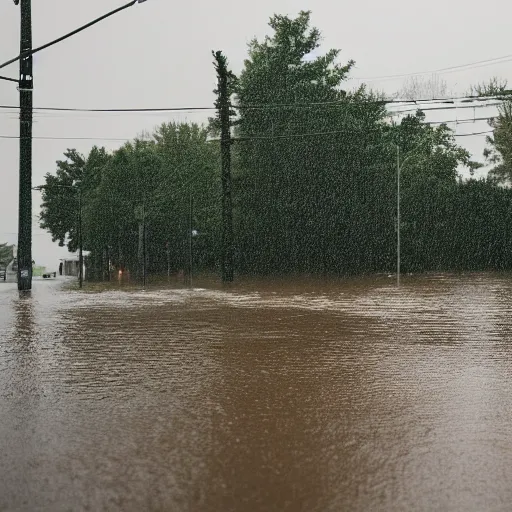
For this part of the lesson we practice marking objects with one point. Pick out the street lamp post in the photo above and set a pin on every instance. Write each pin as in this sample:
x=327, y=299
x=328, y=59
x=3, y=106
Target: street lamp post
x=143, y=244
x=25, y=87
x=190, y=235
x=80, y=241
x=398, y=215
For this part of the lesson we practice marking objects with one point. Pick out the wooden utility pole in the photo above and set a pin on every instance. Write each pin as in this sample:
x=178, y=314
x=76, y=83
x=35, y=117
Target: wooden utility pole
x=25, y=85
x=223, y=106
x=25, y=179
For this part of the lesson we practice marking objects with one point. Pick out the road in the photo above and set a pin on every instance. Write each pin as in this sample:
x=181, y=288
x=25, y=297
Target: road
x=10, y=275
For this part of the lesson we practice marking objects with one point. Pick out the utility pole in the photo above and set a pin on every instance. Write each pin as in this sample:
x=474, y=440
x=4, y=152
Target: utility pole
x=25, y=86
x=25, y=178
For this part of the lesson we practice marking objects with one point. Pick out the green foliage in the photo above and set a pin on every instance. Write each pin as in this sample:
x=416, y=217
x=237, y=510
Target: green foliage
x=59, y=210
x=316, y=183
x=499, y=152
x=144, y=180
x=221, y=67
x=315, y=171
x=293, y=152
x=6, y=254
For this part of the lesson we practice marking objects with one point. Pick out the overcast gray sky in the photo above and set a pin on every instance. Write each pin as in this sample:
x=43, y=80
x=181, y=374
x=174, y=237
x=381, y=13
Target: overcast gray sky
x=158, y=54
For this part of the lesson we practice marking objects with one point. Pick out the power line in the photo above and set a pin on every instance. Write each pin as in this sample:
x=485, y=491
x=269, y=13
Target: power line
x=113, y=110
x=66, y=36
x=462, y=121
x=9, y=79
x=343, y=102
x=312, y=134
x=33, y=234
x=451, y=107
x=481, y=63
x=262, y=137
x=472, y=134
x=17, y=137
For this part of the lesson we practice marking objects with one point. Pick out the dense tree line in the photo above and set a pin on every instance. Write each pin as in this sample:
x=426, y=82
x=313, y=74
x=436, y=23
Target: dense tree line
x=315, y=172
x=146, y=183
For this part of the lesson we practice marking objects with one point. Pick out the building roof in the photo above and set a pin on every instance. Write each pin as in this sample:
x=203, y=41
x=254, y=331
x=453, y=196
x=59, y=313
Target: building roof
x=75, y=257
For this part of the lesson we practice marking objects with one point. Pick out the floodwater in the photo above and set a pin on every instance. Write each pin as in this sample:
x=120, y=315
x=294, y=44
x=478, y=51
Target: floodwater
x=265, y=396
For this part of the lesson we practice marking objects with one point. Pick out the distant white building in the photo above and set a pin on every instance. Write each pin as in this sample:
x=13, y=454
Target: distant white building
x=71, y=265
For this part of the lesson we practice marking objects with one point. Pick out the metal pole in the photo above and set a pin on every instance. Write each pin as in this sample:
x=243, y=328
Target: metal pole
x=190, y=239
x=25, y=178
x=398, y=216
x=80, y=241
x=143, y=245
x=168, y=260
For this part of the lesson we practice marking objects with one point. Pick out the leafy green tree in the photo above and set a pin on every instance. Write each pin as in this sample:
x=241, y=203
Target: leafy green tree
x=191, y=171
x=499, y=150
x=303, y=145
x=59, y=210
x=6, y=254
x=314, y=180
x=429, y=163
x=147, y=182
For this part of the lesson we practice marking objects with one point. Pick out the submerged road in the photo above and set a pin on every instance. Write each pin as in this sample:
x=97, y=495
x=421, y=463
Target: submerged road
x=268, y=396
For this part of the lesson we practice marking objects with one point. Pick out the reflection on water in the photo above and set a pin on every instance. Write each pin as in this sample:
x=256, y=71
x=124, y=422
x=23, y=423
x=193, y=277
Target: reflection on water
x=268, y=395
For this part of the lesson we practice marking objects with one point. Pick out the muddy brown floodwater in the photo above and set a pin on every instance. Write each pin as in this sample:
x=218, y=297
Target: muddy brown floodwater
x=268, y=396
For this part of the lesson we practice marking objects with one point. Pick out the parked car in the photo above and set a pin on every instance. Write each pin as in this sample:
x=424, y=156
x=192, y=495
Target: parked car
x=3, y=272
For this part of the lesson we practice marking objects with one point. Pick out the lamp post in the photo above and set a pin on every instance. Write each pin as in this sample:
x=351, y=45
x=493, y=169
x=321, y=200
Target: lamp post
x=190, y=235
x=25, y=87
x=80, y=241
x=397, y=215
x=144, y=244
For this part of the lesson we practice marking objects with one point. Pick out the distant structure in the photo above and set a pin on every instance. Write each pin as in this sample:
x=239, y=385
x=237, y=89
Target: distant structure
x=71, y=265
